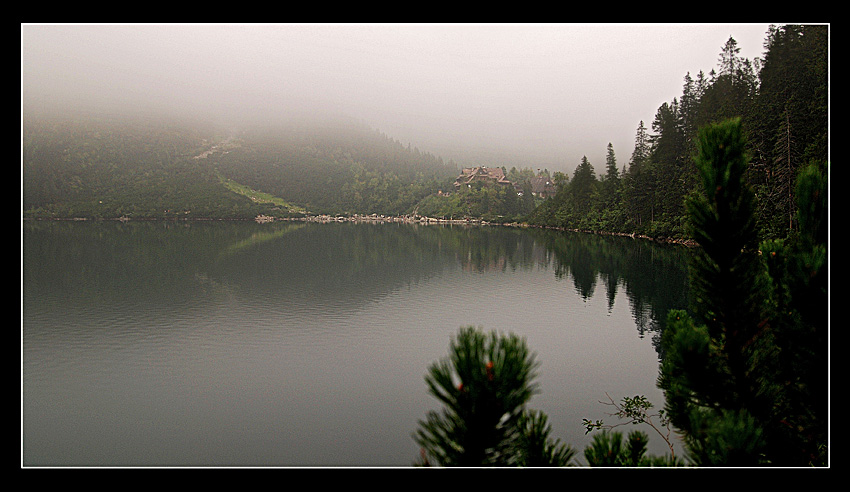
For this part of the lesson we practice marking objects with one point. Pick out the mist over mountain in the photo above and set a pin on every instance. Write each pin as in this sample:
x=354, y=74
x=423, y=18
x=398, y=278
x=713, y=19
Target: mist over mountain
x=237, y=120
x=536, y=95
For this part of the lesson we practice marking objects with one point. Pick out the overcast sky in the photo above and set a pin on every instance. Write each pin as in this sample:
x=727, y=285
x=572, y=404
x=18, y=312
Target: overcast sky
x=555, y=92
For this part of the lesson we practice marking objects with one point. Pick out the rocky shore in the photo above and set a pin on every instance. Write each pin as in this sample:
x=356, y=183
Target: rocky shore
x=404, y=219
x=418, y=219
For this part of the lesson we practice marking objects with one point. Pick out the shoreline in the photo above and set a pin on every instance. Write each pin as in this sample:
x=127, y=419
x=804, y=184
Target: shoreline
x=375, y=218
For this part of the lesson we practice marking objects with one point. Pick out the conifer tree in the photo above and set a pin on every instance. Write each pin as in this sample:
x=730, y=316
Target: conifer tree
x=484, y=385
x=612, y=174
x=638, y=181
x=669, y=157
x=534, y=448
x=687, y=109
x=642, y=148
x=608, y=450
x=706, y=373
x=729, y=60
x=583, y=186
x=798, y=311
x=611, y=179
x=744, y=377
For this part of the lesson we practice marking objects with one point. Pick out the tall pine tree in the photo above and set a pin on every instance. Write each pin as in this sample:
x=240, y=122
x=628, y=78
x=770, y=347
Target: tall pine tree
x=744, y=376
x=583, y=186
x=638, y=182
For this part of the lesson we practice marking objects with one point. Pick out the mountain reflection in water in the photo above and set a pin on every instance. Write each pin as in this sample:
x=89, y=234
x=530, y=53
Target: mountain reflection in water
x=293, y=344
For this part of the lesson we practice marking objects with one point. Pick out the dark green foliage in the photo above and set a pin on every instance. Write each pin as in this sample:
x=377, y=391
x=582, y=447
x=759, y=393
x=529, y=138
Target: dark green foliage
x=611, y=193
x=745, y=377
x=711, y=367
x=493, y=203
x=609, y=450
x=575, y=205
x=484, y=385
x=722, y=222
x=700, y=395
x=606, y=450
x=534, y=447
x=797, y=268
x=788, y=124
x=639, y=183
x=583, y=187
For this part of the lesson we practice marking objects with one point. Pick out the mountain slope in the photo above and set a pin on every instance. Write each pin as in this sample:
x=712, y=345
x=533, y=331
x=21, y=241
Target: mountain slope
x=108, y=168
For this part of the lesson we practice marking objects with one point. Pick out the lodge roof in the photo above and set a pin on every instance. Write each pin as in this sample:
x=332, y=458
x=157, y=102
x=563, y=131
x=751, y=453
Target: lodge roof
x=481, y=173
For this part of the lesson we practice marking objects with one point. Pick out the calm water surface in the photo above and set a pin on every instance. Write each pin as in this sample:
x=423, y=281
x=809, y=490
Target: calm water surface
x=301, y=344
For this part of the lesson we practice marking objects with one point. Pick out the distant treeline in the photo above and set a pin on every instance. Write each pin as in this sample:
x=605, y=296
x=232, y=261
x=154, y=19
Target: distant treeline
x=782, y=100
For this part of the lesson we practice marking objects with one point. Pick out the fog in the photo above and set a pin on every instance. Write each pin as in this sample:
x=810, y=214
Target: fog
x=537, y=95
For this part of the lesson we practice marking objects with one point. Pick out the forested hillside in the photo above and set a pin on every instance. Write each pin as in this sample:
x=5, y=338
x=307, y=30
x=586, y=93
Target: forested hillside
x=335, y=168
x=105, y=167
x=782, y=100
x=99, y=167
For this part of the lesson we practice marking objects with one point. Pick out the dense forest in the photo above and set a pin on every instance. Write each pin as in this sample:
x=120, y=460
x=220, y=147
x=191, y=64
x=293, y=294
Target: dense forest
x=783, y=102
x=106, y=167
